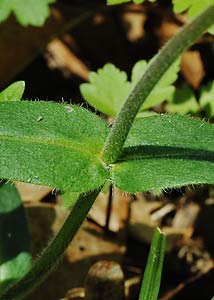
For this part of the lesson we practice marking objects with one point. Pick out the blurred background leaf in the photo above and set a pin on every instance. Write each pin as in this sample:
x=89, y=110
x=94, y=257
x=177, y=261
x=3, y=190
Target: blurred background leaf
x=15, y=257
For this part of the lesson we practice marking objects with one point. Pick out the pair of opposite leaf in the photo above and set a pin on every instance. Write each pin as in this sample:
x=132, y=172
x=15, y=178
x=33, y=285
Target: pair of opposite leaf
x=60, y=145
x=15, y=259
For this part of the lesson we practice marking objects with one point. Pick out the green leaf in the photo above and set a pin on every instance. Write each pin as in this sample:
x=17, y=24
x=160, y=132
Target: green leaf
x=112, y=2
x=165, y=151
x=107, y=90
x=52, y=144
x=27, y=12
x=109, y=87
x=15, y=259
x=194, y=7
x=152, y=275
x=13, y=92
x=183, y=102
x=163, y=90
x=207, y=99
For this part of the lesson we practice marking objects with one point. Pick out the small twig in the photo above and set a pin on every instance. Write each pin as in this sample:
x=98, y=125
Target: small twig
x=170, y=294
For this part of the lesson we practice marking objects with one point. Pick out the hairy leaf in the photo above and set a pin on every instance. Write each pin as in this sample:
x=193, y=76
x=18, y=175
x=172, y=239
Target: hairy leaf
x=183, y=101
x=152, y=275
x=207, y=99
x=109, y=87
x=52, y=144
x=13, y=92
x=194, y=7
x=166, y=151
x=27, y=12
x=15, y=259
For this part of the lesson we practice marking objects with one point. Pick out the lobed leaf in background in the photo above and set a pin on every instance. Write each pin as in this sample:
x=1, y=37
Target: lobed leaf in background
x=15, y=259
x=112, y=2
x=163, y=90
x=194, y=7
x=52, y=144
x=13, y=92
x=206, y=99
x=165, y=151
x=183, y=101
x=27, y=12
x=153, y=272
x=108, y=89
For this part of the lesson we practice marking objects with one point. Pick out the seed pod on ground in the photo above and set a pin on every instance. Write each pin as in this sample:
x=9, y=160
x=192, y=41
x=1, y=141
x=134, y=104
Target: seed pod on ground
x=105, y=280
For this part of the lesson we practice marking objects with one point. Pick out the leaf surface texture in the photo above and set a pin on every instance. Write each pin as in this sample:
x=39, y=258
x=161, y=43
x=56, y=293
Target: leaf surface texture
x=52, y=144
x=166, y=151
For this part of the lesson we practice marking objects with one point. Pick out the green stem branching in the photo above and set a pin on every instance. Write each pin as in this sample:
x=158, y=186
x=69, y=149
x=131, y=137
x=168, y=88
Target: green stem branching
x=111, y=151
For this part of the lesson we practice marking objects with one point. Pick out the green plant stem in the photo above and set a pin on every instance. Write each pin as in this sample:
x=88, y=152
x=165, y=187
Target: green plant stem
x=158, y=66
x=153, y=272
x=111, y=152
x=51, y=255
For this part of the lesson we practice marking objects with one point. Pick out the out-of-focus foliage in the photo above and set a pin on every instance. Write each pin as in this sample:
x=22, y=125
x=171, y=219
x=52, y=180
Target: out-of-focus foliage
x=194, y=7
x=111, y=2
x=15, y=258
x=184, y=101
x=13, y=92
x=27, y=12
x=109, y=87
x=207, y=99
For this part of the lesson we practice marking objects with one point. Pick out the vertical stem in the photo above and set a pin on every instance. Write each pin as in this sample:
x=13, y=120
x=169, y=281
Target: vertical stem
x=158, y=66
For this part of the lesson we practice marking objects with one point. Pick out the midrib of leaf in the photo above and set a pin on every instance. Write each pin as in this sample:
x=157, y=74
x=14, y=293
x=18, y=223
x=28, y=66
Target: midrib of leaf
x=178, y=153
x=56, y=142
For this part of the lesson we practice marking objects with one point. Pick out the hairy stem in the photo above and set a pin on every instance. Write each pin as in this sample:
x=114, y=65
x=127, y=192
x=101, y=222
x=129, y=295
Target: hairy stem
x=158, y=66
x=111, y=152
x=51, y=255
